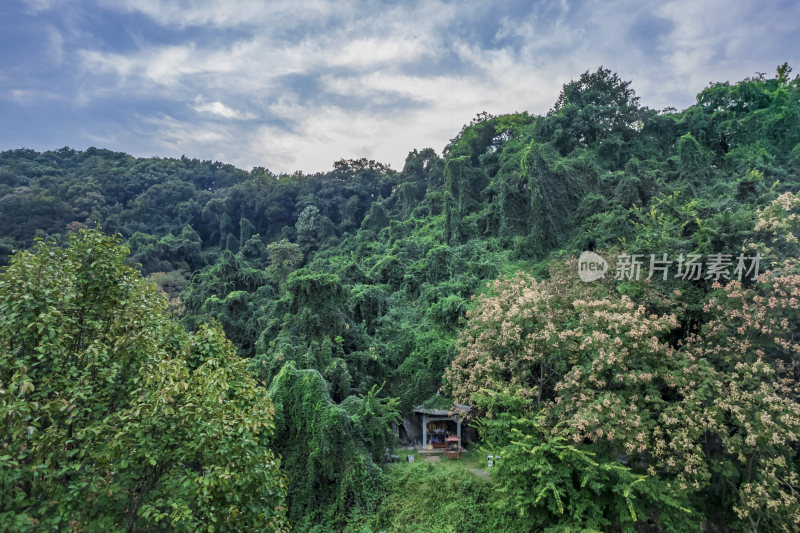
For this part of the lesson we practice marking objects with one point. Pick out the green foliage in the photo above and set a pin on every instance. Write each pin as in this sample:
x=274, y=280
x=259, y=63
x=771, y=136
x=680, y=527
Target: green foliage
x=714, y=412
x=190, y=452
x=545, y=483
x=328, y=449
x=430, y=497
x=112, y=417
x=372, y=416
x=365, y=274
x=754, y=414
x=376, y=219
x=438, y=401
x=230, y=291
x=284, y=257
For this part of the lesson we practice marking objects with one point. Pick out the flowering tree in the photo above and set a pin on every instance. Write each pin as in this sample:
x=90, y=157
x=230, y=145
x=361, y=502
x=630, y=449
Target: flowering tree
x=717, y=414
x=516, y=337
x=755, y=413
x=596, y=362
x=776, y=230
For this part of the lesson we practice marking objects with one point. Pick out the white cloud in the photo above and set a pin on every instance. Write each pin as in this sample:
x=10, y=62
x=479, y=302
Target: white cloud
x=330, y=134
x=220, y=109
x=374, y=51
x=290, y=85
x=20, y=95
x=55, y=42
x=36, y=6
x=164, y=66
x=31, y=96
x=230, y=13
x=169, y=136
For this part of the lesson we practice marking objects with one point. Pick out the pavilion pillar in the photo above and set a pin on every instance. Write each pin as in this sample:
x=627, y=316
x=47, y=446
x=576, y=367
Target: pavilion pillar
x=458, y=429
x=424, y=431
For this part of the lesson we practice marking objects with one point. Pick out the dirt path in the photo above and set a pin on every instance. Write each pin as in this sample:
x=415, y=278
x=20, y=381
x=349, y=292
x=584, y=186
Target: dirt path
x=480, y=473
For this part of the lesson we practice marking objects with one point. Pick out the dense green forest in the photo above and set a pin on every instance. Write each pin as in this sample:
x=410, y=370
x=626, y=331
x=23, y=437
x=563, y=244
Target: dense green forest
x=301, y=315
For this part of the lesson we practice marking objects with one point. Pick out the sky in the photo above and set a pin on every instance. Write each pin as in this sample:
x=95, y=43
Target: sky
x=296, y=85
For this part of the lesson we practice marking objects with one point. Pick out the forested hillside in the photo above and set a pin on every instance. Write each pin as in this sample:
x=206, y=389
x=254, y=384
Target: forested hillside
x=356, y=294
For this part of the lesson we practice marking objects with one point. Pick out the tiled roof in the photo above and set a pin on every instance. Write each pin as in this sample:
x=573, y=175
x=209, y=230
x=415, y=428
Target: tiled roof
x=457, y=408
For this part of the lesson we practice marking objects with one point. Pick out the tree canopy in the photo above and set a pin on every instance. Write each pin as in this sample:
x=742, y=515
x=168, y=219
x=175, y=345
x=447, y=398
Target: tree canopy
x=355, y=294
x=114, y=417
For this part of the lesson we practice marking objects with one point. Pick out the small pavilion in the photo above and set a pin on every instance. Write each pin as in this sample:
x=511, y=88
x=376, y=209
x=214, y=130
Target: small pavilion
x=454, y=415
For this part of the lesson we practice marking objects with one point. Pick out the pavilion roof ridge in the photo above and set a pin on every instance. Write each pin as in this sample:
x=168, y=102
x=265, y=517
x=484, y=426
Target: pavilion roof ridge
x=442, y=412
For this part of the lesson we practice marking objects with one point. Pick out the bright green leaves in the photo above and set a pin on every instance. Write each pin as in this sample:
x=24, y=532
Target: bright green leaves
x=544, y=482
x=109, y=410
x=193, y=444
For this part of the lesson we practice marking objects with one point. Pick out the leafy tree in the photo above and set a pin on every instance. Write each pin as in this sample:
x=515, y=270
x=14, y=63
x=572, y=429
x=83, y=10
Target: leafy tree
x=230, y=291
x=308, y=227
x=372, y=416
x=599, y=109
x=284, y=257
x=544, y=482
x=114, y=418
x=750, y=342
x=596, y=362
x=380, y=298
x=333, y=478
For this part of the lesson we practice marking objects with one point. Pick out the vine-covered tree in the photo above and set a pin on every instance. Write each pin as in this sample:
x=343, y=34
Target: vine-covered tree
x=333, y=477
x=365, y=274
